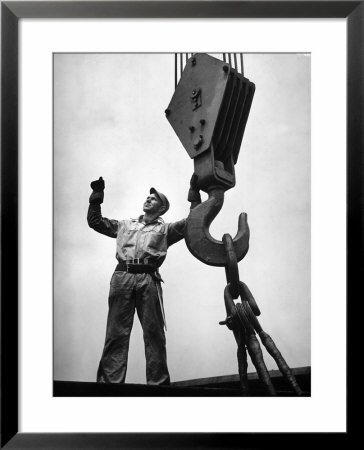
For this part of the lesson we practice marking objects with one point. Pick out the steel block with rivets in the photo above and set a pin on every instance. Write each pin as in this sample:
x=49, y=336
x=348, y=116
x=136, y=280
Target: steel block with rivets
x=208, y=112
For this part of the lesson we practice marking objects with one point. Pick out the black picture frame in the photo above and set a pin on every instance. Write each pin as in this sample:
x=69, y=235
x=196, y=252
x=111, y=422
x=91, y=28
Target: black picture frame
x=11, y=12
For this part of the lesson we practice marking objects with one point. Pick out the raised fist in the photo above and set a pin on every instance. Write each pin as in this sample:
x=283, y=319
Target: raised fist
x=97, y=195
x=98, y=185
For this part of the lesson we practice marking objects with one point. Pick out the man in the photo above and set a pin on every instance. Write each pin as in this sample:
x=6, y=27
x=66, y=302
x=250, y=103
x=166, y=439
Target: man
x=141, y=248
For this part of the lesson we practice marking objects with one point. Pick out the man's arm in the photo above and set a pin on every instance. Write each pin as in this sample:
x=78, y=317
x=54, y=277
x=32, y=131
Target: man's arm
x=94, y=217
x=176, y=230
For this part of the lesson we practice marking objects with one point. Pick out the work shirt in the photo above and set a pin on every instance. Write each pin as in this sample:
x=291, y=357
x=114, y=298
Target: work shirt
x=135, y=238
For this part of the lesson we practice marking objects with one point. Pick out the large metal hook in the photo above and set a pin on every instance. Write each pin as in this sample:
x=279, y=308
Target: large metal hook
x=199, y=240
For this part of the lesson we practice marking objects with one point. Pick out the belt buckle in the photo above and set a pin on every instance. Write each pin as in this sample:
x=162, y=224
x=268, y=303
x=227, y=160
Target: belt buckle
x=128, y=264
x=132, y=262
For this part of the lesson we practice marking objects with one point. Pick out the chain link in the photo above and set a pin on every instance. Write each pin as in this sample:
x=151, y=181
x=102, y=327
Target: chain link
x=231, y=268
x=242, y=320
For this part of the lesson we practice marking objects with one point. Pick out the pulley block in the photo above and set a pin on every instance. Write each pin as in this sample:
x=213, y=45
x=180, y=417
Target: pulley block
x=208, y=112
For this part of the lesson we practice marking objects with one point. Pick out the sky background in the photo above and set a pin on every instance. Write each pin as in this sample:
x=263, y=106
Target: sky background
x=109, y=121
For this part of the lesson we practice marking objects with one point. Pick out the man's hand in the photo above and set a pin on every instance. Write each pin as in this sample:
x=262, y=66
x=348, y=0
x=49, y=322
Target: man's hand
x=193, y=182
x=97, y=187
x=194, y=196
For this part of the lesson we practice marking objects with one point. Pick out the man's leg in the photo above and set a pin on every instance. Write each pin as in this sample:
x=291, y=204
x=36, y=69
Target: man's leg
x=114, y=360
x=151, y=319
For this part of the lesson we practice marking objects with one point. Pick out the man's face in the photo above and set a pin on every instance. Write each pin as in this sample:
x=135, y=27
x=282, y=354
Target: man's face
x=152, y=205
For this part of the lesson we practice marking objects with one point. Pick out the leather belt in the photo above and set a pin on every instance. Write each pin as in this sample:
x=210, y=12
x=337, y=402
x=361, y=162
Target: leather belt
x=134, y=267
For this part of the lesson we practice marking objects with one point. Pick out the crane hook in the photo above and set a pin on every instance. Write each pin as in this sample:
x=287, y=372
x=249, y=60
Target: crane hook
x=198, y=238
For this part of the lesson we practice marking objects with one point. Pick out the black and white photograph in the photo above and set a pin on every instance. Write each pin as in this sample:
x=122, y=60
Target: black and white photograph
x=181, y=187
x=182, y=224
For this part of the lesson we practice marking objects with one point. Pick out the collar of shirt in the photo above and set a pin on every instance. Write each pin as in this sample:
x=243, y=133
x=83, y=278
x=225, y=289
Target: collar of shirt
x=140, y=219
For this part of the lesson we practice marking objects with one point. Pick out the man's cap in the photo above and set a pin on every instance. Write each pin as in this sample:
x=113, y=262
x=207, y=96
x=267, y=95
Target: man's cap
x=162, y=198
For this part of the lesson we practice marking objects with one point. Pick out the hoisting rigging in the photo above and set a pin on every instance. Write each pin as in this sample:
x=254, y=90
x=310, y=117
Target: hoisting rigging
x=209, y=111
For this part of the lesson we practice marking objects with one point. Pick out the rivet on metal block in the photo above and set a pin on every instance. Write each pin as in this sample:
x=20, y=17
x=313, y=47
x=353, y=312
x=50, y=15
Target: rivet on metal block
x=198, y=142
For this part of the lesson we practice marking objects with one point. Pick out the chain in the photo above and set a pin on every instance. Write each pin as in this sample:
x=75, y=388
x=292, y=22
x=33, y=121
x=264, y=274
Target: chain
x=242, y=320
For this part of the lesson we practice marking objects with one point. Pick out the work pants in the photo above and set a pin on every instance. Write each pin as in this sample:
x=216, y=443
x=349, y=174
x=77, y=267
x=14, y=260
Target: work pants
x=130, y=291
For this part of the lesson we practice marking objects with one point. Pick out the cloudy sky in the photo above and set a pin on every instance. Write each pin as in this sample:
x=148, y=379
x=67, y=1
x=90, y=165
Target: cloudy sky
x=109, y=121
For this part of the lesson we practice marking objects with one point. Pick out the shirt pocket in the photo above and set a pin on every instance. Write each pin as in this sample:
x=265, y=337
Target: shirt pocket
x=127, y=240
x=156, y=242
